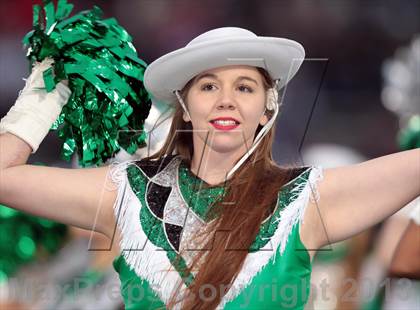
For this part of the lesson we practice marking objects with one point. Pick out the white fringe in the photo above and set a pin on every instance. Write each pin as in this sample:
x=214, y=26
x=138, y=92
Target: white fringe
x=287, y=219
x=148, y=261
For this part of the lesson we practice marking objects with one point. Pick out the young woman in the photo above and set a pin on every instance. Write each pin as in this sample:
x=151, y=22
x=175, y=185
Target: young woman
x=210, y=221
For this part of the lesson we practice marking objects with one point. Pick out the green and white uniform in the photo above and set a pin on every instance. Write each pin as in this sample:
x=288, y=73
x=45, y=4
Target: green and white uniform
x=159, y=206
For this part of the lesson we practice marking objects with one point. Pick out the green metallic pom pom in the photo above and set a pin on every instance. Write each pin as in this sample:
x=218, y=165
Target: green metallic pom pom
x=109, y=104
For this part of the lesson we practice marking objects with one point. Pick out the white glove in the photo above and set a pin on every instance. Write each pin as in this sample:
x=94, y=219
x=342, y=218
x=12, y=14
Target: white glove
x=35, y=110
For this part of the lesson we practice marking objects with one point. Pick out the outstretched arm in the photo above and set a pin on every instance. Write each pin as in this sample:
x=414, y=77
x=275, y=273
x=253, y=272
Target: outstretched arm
x=354, y=198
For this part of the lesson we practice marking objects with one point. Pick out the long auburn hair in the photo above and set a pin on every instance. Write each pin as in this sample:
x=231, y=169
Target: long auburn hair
x=253, y=188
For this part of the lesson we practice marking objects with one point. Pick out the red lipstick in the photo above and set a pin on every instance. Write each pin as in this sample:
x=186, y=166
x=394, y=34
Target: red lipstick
x=225, y=123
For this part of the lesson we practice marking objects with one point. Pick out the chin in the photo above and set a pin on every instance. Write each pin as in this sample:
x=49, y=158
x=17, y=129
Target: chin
x=226, y=145
x=226, y=142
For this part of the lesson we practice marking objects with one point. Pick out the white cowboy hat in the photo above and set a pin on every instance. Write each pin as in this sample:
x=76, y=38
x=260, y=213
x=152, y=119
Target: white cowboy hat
x=222, y=47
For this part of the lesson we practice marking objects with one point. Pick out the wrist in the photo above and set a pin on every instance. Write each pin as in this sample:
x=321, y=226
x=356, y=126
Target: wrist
x=33, y=114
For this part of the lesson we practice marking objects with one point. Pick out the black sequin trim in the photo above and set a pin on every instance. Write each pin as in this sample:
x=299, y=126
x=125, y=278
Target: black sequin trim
x=174, y=234
x=156, y=198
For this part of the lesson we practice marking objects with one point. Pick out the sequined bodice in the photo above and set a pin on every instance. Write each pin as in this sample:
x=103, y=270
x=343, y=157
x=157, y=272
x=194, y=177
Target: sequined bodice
x=198, y=195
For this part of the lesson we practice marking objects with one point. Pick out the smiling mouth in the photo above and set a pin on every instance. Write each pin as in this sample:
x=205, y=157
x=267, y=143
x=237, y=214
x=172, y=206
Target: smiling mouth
x=224, y=124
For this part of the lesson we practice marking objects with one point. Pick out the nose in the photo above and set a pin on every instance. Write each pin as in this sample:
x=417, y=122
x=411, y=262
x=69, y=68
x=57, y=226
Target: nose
x=226, y=101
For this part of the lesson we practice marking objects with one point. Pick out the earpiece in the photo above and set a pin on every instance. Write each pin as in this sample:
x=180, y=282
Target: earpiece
x=272, y=99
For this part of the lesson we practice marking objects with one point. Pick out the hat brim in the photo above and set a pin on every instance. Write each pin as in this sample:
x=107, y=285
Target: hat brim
x=280, y=57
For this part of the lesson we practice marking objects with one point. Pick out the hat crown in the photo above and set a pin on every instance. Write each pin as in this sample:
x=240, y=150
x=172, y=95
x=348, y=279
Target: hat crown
x=221, y=33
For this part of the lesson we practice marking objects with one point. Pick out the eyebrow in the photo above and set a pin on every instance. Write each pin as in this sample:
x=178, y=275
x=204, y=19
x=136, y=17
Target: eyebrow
x=213, y=76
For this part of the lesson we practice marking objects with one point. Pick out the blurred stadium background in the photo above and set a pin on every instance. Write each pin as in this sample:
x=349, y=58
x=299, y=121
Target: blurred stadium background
x=338, y=88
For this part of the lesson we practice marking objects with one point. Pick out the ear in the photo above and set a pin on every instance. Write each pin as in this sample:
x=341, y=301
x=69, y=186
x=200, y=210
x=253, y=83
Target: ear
x=263, y=119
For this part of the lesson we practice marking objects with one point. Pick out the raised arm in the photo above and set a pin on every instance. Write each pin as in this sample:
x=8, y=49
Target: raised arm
x=354, y=198
x=80, y=197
